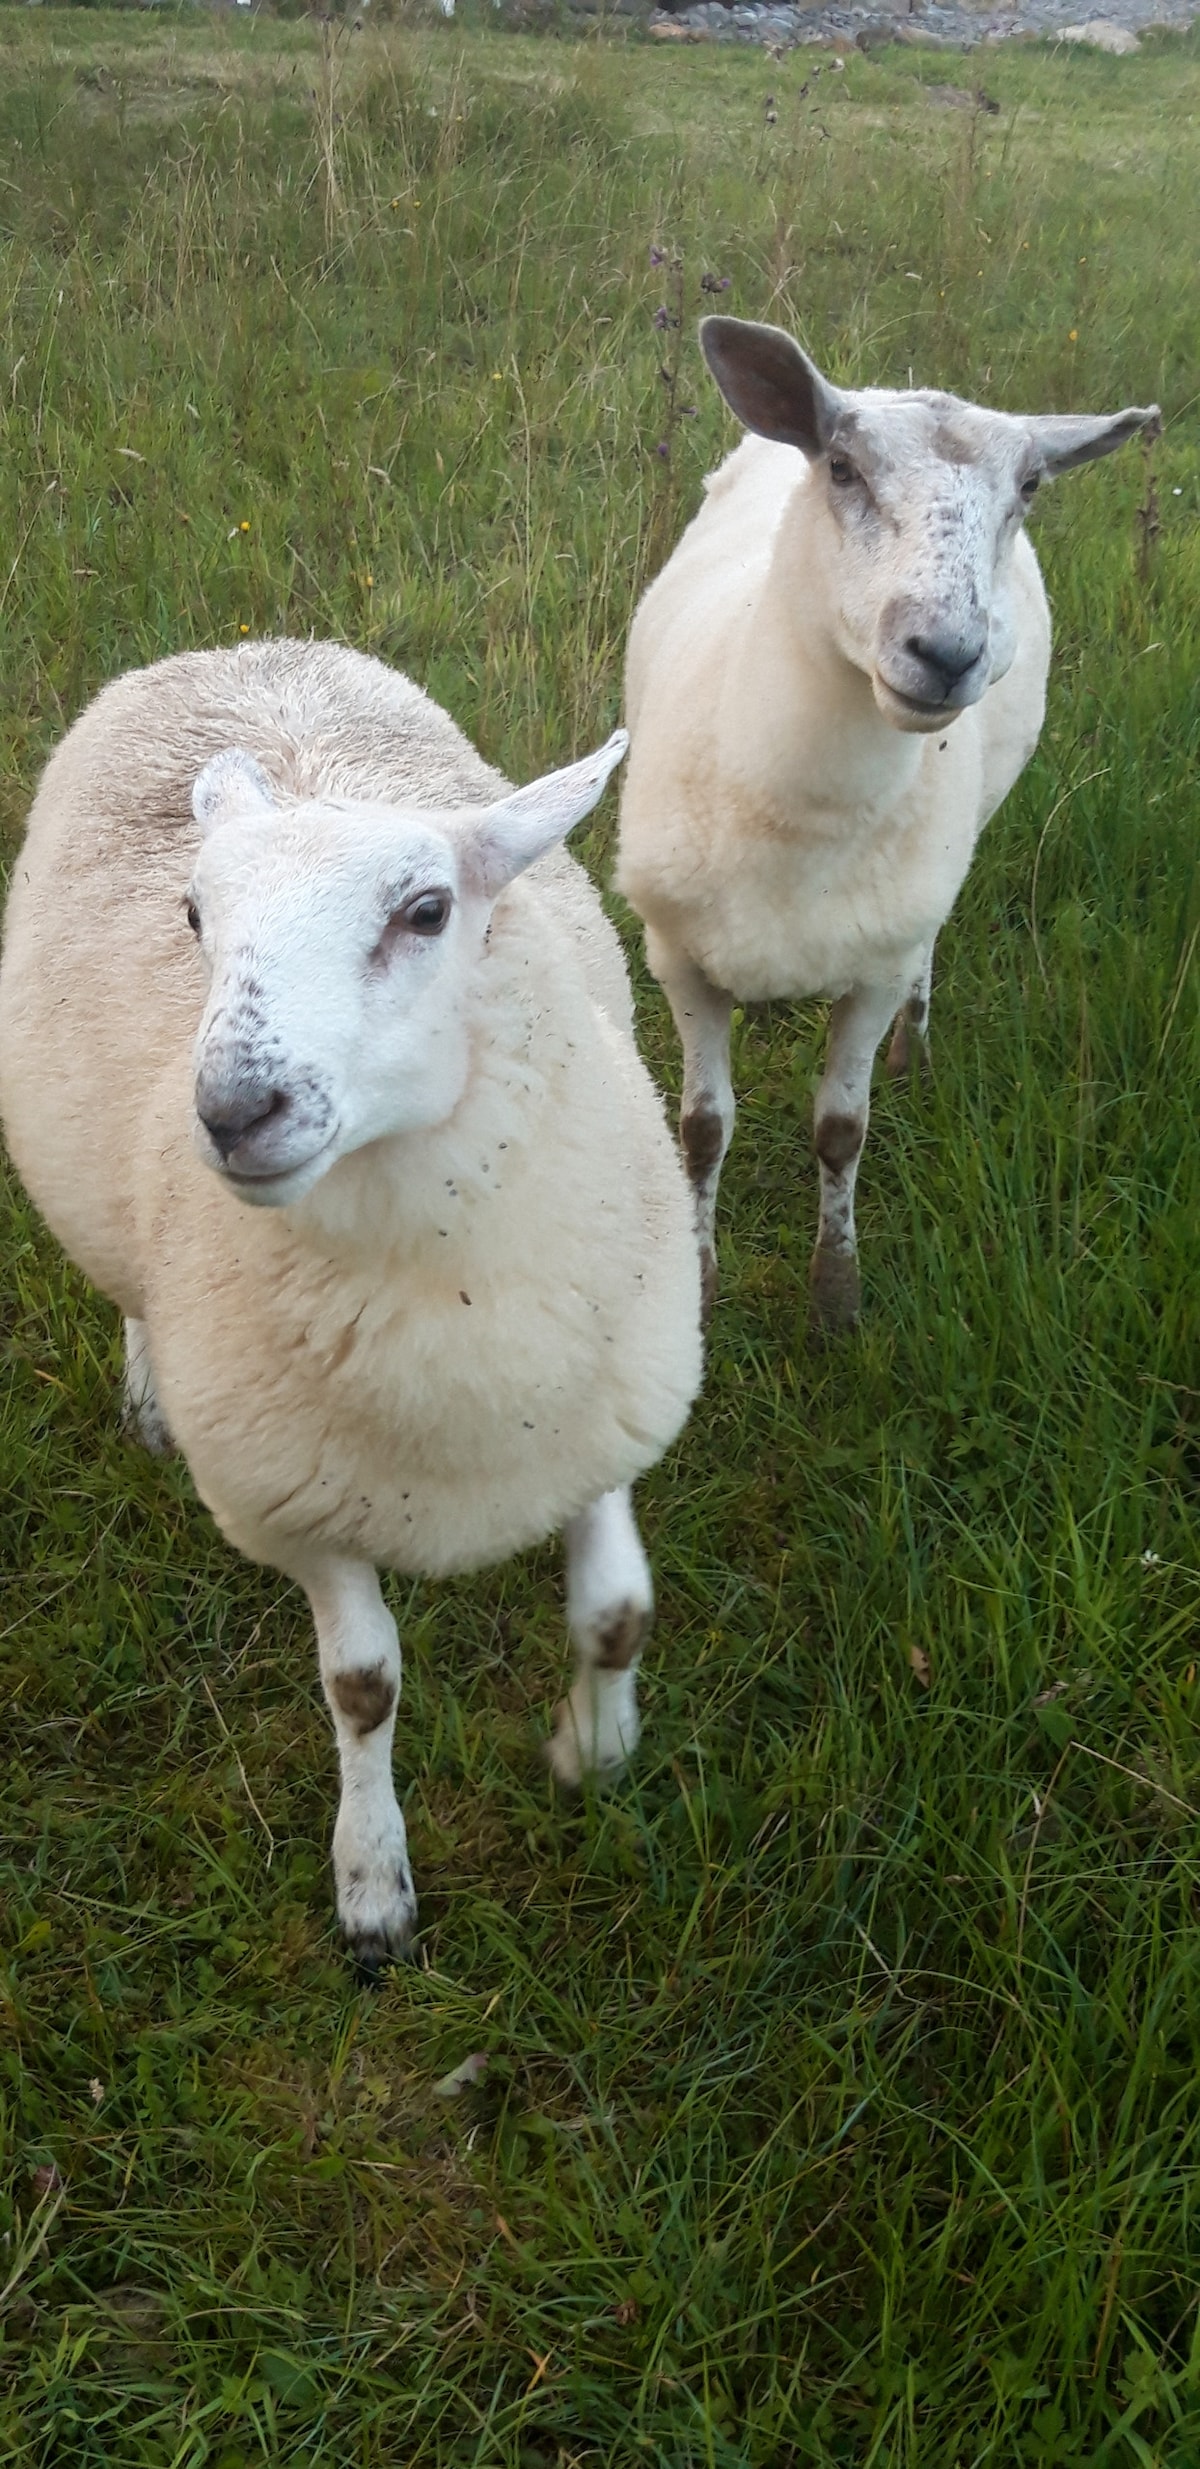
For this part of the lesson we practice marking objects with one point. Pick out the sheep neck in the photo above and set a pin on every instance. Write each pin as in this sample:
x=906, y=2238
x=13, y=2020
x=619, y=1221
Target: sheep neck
x=436, y=1190
x=802, y=714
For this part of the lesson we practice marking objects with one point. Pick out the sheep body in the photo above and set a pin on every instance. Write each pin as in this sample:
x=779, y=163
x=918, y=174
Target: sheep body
x=832, y=684
x=464, y=1336
x=784, y=870
x=449, y=1391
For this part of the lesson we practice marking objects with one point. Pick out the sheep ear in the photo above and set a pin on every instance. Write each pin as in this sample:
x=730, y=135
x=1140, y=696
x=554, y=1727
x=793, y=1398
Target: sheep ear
x=508, y=837
x=1063, y=440
x=231, y=783
x=770, y=383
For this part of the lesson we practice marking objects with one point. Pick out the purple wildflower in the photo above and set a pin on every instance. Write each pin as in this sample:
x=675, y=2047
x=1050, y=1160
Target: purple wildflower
x=662, y=319
x=658, y=257
x=715, y=282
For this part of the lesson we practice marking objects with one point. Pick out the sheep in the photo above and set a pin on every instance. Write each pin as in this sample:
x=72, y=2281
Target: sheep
x=367, y=1159
x=831, y=685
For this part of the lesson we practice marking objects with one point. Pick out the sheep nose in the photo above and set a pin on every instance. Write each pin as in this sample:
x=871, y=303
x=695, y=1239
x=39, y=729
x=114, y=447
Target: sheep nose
x=229, y=1121
x=948, y=655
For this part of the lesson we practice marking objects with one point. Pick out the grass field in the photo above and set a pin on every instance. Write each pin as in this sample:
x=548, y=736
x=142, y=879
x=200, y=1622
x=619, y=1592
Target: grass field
x=843, y=2099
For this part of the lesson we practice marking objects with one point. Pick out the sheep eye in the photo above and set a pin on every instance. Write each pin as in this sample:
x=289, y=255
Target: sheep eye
x=427, y=914
x=1030, y=485
x=192, y=914
x=842, y=471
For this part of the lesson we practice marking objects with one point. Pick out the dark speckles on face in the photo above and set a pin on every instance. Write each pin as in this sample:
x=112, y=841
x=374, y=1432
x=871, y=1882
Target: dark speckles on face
x=950, y=444
x=246, y=1069
x=944, y=518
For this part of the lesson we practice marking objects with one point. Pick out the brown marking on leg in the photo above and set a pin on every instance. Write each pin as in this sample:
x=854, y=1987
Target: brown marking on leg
x=839, y=1138
x=899, y=1053
x=908, y=1045
x=703, y=1135
x=708, y=1283
x=366, y=1697
x=620, y=1641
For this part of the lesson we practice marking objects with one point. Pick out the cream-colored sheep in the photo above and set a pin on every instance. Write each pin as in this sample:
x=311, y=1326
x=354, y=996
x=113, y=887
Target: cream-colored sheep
x=835, y=679
x=270, y=941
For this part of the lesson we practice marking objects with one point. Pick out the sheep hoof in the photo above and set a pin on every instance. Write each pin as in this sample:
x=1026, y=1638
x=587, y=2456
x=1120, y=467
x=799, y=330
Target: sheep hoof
x=834, y=1296
x=379, y=1920
x=373, y=1959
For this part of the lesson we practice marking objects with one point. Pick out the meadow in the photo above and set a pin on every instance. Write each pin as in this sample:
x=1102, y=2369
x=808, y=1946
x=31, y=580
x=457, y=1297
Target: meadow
x=842, y=2104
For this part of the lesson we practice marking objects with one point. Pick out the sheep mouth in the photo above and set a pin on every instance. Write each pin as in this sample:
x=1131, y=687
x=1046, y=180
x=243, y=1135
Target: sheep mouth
x=908, y=712
x=276, y=1186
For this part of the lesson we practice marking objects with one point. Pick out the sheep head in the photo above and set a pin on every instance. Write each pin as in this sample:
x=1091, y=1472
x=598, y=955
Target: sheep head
x=341, y=942
x=919, y=502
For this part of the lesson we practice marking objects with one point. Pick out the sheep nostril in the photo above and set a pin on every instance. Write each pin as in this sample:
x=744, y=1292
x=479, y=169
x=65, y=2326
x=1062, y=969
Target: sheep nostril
x=949, y=655
x=230, y=1122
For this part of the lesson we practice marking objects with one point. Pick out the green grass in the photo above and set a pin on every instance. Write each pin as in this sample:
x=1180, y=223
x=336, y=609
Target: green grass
x=843, y=2100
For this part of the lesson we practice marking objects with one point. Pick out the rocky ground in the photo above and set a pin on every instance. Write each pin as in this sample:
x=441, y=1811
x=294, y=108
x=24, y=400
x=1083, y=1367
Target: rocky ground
x=937, y=23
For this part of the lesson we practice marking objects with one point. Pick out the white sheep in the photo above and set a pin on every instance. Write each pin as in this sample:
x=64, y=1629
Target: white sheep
x=462, y=1309
x=831, y=685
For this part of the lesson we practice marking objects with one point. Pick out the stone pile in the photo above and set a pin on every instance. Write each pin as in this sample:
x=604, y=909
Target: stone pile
x=940, y=24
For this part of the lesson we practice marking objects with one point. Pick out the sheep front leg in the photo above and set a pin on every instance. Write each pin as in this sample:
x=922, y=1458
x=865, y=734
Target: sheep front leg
x=143, y=1417
x=856, y=1025
x=609, y=1605
x=360, y=1674
x=701, y=1013
x=910, y=1038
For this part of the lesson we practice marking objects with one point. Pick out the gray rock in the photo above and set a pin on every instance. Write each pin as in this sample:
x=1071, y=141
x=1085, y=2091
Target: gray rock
x=937, y=27
x=1102, y=34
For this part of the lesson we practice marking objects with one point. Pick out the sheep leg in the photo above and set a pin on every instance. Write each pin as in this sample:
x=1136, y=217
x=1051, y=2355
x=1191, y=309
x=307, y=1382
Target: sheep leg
x=910, y=1038
x=142, y=1416
x=856, y=1024
x=360, y=1674
x=609, y=1605
x=701, y=1013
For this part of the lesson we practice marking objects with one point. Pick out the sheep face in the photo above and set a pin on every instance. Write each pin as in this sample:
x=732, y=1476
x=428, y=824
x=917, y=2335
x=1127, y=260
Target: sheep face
x=341, y=942
x=916, y=501
x=922, y=499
